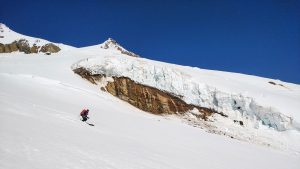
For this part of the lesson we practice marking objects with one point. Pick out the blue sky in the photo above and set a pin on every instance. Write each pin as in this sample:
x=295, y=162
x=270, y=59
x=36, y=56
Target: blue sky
x=257, y=37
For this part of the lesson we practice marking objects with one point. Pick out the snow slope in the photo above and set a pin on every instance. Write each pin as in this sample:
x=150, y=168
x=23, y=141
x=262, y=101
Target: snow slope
x=181, y=82
x=40, y=128
x=41, y=98
x=8, y=36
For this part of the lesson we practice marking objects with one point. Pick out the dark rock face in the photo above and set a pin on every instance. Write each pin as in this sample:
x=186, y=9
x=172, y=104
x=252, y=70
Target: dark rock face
x=239, y=122
x=273, y=83
x=145, y=97
x=22, y=45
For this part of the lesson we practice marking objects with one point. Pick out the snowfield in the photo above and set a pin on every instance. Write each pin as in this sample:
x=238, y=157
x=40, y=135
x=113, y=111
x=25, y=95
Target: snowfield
x=41, y=98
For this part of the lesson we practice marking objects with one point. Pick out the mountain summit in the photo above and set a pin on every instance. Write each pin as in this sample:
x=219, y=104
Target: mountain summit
x=11, y=41
x=112, y=44
x=8, y=36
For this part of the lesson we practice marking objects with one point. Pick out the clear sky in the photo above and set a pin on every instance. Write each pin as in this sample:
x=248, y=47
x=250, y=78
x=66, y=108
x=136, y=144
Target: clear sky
x=257, y=37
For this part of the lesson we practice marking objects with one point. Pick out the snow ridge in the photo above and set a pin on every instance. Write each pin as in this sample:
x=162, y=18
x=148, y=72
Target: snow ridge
x=111, y=44
x=8, y=36
x=236, y=106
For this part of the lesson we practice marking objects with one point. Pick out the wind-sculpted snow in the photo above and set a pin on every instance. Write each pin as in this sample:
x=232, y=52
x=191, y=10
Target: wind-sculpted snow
x=171, y=80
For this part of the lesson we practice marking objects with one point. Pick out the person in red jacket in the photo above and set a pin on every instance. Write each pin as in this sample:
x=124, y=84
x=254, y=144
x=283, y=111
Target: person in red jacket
x=84, y=114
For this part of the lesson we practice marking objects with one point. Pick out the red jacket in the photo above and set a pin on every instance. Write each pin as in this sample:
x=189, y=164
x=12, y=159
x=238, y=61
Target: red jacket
x=84, y=112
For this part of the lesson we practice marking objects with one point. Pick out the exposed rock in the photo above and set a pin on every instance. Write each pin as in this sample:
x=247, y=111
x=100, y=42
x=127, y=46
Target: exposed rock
x=13, y=47
x=145, y=97
x=34, y=49
x=50, y=47
x=239, y=122
x=22, y=45
x=2, y=48
x=273, y=83
x=8, y=48
x=112, y=44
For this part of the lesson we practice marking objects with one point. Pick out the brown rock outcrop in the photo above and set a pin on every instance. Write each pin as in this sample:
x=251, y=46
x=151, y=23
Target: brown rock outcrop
x=112, y=43
x=145, y=97
x=22, y=45
x=8, y=48
x=50, y=47
x=34, y=49
x=2, y=48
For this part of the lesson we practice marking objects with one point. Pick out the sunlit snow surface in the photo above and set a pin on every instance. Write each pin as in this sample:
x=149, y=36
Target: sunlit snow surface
x=41, y=99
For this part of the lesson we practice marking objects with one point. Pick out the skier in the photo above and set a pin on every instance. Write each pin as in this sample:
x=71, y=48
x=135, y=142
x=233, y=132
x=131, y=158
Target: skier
x=84, y=114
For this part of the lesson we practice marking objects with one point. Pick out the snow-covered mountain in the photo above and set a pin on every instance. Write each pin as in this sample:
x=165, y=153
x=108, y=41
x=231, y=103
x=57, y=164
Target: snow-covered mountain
x=113, y=45
x=42, y=96
x=17, y=42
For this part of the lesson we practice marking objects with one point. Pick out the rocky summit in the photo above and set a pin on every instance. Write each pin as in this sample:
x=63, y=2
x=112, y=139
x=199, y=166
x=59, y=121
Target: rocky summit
x=112, y=44
x=22, y=45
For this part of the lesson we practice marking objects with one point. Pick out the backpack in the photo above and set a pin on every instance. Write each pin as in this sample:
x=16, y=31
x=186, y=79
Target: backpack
x=84, y=112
